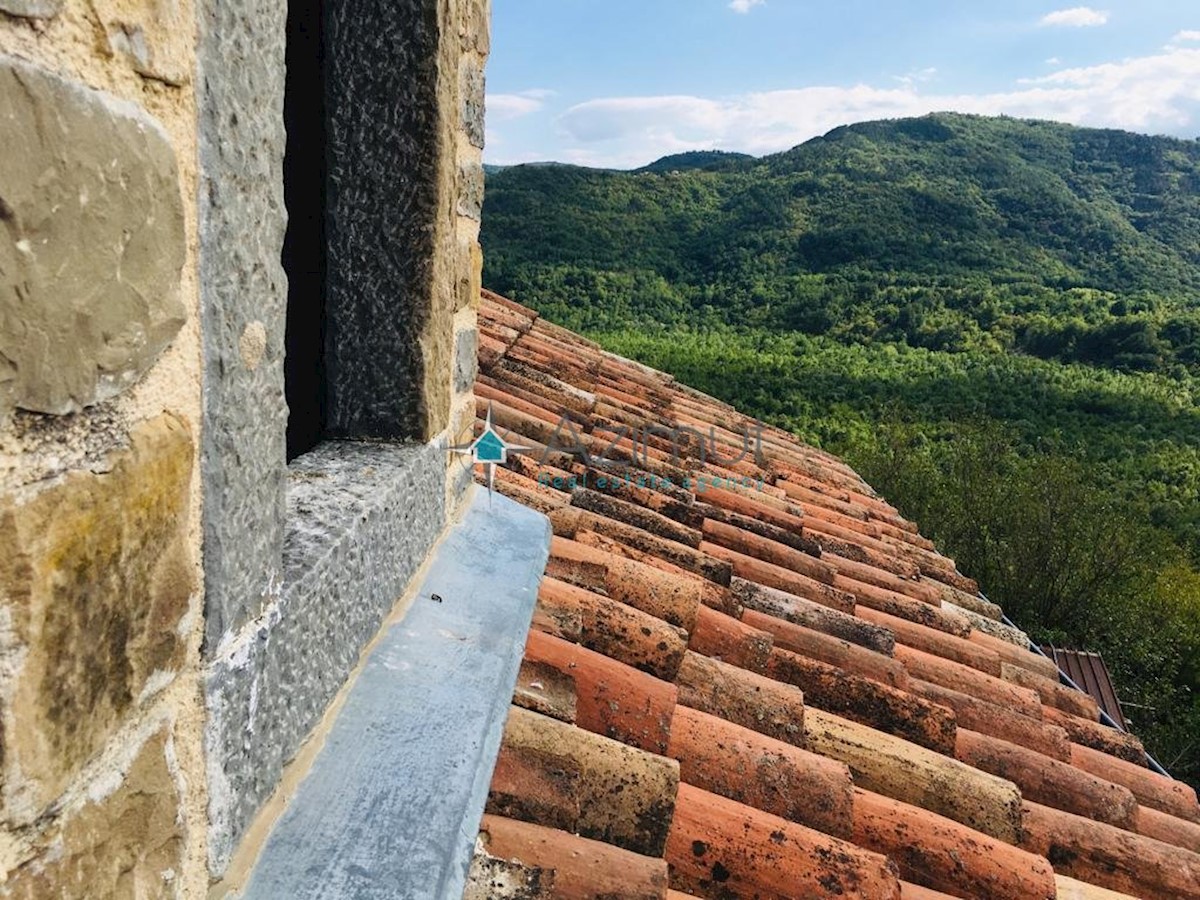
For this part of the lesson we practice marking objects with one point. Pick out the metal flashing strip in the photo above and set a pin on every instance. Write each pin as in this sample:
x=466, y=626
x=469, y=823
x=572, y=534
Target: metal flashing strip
x=392, y=805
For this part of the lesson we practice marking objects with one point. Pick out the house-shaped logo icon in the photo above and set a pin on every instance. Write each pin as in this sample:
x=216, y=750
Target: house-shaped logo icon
x=489, y=449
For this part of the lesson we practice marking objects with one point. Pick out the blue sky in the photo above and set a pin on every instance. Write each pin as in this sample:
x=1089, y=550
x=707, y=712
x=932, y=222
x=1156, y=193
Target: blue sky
x=619, y=83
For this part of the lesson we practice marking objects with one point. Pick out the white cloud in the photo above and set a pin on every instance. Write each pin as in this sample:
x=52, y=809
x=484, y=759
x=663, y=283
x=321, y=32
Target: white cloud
x=1053, y=61
x=744, y=6
x=1076, y=17
x=1159, y=93
x=1186, y=37
x=916, y=76
x=506, y=107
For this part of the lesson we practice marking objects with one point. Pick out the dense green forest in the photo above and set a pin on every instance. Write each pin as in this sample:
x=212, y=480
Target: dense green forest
x=996, y=321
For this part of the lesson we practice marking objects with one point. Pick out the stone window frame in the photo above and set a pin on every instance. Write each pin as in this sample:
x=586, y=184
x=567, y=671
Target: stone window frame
x=302, y=562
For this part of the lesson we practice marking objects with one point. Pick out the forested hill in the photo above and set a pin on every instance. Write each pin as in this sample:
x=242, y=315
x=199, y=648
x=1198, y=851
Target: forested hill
x=997, y=322
x=947, y=232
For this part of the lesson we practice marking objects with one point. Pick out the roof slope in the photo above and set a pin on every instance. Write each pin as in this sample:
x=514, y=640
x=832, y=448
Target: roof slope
x=753, y=678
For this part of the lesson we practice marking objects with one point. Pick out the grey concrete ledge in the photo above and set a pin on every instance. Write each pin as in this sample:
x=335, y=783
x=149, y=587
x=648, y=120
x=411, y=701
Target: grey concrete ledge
x=392, y=805
x=361, y=519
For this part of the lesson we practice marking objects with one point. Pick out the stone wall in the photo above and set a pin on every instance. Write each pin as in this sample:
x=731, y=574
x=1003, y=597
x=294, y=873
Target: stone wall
x=101, y=780
x=178, y=606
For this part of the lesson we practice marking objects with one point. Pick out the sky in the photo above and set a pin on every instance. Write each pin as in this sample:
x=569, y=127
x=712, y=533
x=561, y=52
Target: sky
x=619, y=84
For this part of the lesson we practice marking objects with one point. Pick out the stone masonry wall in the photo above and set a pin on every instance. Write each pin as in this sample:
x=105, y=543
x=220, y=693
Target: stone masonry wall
x=167, y=643
x=101, y=776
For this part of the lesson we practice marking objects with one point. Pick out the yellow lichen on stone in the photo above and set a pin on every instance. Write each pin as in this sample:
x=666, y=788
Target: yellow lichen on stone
x=95, y=579
x=127, y=844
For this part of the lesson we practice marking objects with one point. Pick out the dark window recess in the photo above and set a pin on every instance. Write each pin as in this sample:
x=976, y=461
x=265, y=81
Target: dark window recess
x=304, y=247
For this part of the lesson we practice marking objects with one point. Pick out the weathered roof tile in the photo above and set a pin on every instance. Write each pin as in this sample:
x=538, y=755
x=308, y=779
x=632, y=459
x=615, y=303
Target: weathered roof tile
x=745, y=664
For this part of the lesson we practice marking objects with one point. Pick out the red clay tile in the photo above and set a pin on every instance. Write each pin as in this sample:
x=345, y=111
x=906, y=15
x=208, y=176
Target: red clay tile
x=659, y=593
x=528, y=493
x=755, y=507
x=862, y=700
x=1158, y=791
x=759, y=771
x=902, y=770
x=712, y=595
x=568, y=778
x=956, y=676
x=485, y=394
x=1072, y=889
x=797, y=539
x=790, y=608
x=910, y=891
x=721, y=849
x=1166, y=828
x=741, y=697
x=831, y=650
x=1053, y=693
x=997, y=721
x=904, y=607
x=782, y=579
x=611, y=698
x=544, y=689
x=1016, y=656
x=726, y=638
x=635, y=516
x=583, y=869
x=942, y=854
x=618, y=630
x=935, y=642
x=1110, y=857
x=754, y=545
x=1048, y=781
x=1097, y=736
x=882, y=578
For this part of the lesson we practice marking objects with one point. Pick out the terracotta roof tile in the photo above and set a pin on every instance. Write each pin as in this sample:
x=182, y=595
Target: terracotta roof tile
x=772, y=575
x=863, y=700
x=771, y=775
x=558, y=775
x=610, y=698
x=616, y=629
x=742, y=697
x=786, y=608
x=817, y=645
x=1097, y=736
x=723, y=637
x=1110, y=857
x=582, y=869
x=755, y=673
x=998, y=721
x=1048, y=781
x=1152, y=789
x=1053, y=693
x=940, y=853
x=902, y=770
x=949, y=673
x=720, y=848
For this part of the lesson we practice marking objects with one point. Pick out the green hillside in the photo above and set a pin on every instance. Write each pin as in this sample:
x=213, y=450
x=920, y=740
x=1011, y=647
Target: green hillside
x=997, y=321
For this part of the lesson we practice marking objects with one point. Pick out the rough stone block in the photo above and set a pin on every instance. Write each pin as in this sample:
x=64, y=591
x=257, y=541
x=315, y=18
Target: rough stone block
x=92, y=246
x=470, y=273
x=470, y=190
x=95, y=576
x=476, y=26
x=129, y=843
x=243, y=293
x=472, y=87
x=32, y=9
x=466, y=359
x=361, y=518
